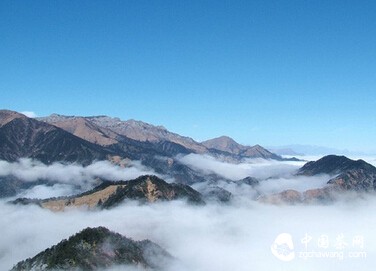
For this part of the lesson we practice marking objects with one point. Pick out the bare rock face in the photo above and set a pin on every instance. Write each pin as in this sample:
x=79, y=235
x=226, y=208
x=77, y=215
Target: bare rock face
x=355, y=180
x=97, y=249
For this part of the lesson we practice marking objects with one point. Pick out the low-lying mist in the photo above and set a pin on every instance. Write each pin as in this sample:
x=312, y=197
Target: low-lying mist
x=258, y=168
x=69, y=175
x=275, y=176
x=234, y=236
x=213, y=237
x=31, y=170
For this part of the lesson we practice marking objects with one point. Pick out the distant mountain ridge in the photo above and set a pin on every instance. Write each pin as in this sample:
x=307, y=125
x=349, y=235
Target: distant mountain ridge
x=109, y=129
x=145, y=189
x=227, y=144
x=23, y=137
x=106, y=130
x=334, y=164
x=301, y=150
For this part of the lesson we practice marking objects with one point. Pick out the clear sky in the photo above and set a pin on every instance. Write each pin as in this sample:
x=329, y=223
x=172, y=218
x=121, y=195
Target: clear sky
x=267, y=72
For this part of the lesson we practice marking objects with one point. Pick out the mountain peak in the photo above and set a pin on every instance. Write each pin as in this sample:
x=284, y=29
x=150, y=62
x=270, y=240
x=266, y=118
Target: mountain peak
x=229, y=145
x=257, y=146
x=96, y=249
x=334, y=164
x=225, y=144
x=7, y=116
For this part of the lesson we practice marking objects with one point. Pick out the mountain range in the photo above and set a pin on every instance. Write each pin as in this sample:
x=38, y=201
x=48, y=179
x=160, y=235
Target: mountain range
x=106, y=131
x=83, y=140
x=21, y=136
x=145, y=189
x=103, y=136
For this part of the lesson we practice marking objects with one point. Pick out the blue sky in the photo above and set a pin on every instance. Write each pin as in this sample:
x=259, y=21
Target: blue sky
x=267, y=72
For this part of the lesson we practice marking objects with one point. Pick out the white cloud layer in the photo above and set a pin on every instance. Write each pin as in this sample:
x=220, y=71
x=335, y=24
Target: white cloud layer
x=31, y=170
x=29, y=114
x=214, y=237
x=237, y=236
x=44, y=192
x=258, y=168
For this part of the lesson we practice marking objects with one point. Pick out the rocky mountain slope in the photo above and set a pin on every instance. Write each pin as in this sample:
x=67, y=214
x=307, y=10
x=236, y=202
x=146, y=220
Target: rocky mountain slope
x=97, y=249
x=103, y=131
x=83, y=128
x=85, y=139
x=109, y=130
x=152, y=189
x=320, y=195
x=21, y=136
x=355, y=180
x=145, y=189
x=346, y=176
x=333, y=164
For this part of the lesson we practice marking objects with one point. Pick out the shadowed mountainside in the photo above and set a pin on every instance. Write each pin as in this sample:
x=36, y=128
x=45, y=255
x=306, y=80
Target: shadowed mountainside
x=21, y=136
x=347, y=176
x=96, y=249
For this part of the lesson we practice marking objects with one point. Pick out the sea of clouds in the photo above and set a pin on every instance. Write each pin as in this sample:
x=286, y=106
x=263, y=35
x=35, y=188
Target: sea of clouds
x=236, y=236
x=213, y=237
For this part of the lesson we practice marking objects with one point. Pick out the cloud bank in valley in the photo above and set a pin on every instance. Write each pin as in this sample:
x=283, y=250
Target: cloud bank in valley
x=275, y=176
x=237, y=236
x=213, y=237
x=31, y=170
x=258, y=168
x=55, y=190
